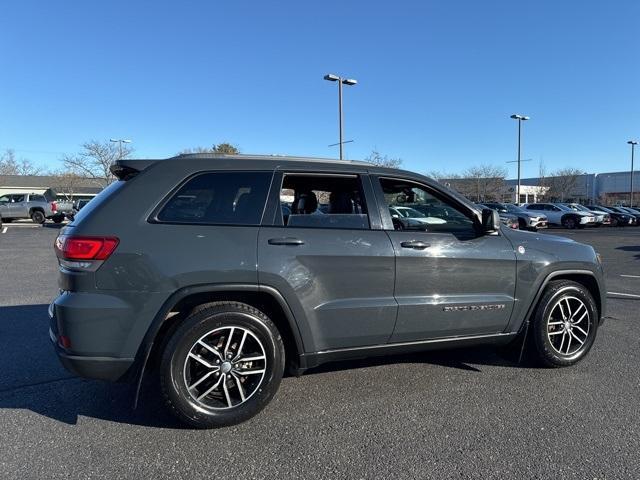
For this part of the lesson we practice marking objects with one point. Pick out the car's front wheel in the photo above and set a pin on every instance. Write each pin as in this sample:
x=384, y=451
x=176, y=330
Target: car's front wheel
x=222, y=365
x=564, y=325
x=569, y=222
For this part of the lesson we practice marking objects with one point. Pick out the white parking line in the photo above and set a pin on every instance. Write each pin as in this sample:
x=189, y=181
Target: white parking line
x=624, y=294
x=4, y=230
x=630, y=276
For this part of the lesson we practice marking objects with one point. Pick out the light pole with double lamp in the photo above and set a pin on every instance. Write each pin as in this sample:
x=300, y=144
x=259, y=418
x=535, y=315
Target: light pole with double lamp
x=346, y=81
x=520, y=118
x=120, y=141
x=633, y=143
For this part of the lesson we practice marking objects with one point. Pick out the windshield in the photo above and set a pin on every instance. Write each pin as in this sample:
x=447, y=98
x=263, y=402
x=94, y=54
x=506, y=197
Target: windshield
x=577, y=207
x=513, y=208
x=564, y=207
x=602, y=209
x=494, y=206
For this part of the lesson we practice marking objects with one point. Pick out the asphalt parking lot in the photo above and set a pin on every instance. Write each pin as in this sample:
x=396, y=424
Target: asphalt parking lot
x=460, y=414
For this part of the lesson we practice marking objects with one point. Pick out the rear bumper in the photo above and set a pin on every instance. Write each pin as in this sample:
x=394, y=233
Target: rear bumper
x=100, y=368
x=86, y=365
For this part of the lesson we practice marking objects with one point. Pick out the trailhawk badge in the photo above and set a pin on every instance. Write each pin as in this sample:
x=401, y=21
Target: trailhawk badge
x=467, y=308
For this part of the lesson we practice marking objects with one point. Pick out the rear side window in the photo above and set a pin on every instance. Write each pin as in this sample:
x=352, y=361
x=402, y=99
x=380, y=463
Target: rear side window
x=37, y=198
x=323, y=201
x=220, y=198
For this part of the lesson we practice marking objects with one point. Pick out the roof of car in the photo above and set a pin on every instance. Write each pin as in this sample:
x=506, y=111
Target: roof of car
x=286, y=158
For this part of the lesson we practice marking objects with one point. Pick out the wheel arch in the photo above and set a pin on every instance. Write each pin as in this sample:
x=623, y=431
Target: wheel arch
x=180, y=303
x=584, y=277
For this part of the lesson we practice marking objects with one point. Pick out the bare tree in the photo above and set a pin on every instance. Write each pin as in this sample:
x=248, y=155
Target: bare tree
x=478, y=183
x=65, y=182
x=377, y=158
x=562, y=183
x=487, y=182
x=95, y=159
x=10, y=165
x=224, y=148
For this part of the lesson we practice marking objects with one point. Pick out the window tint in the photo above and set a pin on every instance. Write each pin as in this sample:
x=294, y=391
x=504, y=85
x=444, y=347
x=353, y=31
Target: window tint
x=413, y=207
x=535, y=206
x=18, y=198
x=36, y=198
x=222, y=198
x=323, y=201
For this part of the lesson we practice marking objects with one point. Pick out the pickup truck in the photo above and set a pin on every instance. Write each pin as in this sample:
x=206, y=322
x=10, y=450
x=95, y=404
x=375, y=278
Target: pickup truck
x=14, y=206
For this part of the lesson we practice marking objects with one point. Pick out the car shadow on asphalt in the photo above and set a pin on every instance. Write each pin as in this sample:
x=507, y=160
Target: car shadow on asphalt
x=631, y=248
x=470, y=359
x=34, y=380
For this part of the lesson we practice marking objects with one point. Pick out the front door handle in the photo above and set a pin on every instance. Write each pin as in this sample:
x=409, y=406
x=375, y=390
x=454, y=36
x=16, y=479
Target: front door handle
x=285, y=241
x=415, y=244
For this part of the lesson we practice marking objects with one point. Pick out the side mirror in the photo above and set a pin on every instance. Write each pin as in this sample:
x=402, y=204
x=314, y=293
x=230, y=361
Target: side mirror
x=490, y=220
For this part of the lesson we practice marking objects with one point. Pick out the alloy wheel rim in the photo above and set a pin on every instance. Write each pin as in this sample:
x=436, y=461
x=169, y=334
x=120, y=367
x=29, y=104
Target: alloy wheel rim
x=568, y=325
x=224, y=368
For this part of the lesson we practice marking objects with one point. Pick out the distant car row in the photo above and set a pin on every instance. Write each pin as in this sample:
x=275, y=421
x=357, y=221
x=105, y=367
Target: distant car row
x=18, y=206
x=533, y=216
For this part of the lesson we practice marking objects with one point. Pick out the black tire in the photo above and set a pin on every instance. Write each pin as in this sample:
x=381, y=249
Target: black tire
x=522, y=225
x=58, y=219
x=614, y=222
x=542, y=349
x=569, y=222
x=206, y=320
x=37, y=216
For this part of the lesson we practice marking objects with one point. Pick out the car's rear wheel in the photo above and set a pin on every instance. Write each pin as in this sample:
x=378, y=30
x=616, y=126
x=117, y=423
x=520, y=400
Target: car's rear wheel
x=37, y=216
x=565, y=324
x=222, y=365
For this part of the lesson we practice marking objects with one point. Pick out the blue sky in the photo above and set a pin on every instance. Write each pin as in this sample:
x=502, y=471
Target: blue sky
x=437, y=79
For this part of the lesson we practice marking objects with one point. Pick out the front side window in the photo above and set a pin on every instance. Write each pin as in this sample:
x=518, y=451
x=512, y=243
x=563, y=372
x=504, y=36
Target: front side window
x=220, y=198
x=323, y=201
x=413, y=207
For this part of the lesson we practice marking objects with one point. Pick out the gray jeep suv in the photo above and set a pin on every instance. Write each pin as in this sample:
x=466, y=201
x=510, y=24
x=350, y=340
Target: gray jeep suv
x=191, y=269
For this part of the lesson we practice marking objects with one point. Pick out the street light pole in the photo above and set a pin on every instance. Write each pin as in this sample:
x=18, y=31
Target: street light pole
x=520, y=118
x=120, y=141
x=633, y=143
x=346, y=81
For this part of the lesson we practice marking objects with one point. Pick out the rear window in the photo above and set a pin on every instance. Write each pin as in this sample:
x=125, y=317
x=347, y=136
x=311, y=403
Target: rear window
x=97, y=200
x=220, y=198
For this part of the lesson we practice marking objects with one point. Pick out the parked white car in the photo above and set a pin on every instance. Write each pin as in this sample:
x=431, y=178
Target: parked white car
x=416, y=216
x=559, y=214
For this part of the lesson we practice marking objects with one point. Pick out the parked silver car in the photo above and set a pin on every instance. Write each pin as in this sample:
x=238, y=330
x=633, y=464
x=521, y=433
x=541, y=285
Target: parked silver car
x=602, y=218
x=35, y=206
x=526, y=220
x=560, y=214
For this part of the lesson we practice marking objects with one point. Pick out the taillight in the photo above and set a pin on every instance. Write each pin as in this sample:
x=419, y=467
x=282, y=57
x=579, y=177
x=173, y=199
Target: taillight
x=69, y=247
x=54, y=207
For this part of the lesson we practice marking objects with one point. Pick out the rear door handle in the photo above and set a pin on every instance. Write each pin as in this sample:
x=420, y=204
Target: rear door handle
x=415, y=244
x=285, y=241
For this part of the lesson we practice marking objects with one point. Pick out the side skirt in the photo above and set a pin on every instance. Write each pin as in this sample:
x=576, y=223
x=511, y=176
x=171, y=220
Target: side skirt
x=311, y=360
